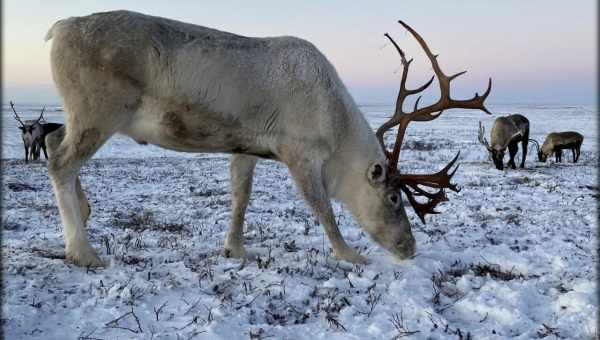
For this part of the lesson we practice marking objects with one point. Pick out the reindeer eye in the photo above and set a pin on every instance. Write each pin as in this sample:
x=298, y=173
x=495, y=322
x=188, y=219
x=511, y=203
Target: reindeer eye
x=376, y=173
x=394, y=199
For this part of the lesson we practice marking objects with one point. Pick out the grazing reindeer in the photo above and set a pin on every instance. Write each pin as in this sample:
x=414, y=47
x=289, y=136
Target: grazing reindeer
x=31, y=131
x=556, y=142
x=195, y=89
x=506, y=132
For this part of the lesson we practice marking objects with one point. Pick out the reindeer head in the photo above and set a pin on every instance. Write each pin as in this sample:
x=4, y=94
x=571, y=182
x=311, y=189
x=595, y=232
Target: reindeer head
x=394, y=233
x=497, y=151
x=541, y=155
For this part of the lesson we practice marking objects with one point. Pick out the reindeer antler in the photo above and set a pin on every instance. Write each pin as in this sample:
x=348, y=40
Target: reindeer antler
x=482, y=139
x=16, y=114
x=537, y=145
x=409, y=183
x=41, y=115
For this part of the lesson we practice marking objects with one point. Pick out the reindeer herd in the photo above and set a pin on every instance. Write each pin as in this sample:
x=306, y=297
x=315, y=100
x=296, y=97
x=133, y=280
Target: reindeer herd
x=509, y=131
x=194, y=89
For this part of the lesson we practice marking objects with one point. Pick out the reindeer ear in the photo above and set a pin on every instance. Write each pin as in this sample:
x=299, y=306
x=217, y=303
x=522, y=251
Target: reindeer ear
x=22, y=128
x=376, y=173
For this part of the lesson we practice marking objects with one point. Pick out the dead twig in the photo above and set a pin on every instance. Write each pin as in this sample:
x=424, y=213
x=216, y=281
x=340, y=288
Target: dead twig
x=115, y=323
x=88, y=336
x=157, y=311
x=547, y=331
x=331, y=320
x=398, y=322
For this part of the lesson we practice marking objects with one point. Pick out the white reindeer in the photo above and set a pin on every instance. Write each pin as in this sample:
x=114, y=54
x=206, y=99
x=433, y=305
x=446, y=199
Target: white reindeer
x=194, y=89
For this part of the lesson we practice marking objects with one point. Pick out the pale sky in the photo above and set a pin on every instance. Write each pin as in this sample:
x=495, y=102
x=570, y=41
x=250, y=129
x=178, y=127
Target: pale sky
x=536, y=51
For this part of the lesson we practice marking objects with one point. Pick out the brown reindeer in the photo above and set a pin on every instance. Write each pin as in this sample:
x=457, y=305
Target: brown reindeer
x=507, y=131
x=556, y=142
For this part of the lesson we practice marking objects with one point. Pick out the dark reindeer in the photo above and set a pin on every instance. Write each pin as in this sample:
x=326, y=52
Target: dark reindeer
x=556, y=142
x=33, y=133
x=507, y=131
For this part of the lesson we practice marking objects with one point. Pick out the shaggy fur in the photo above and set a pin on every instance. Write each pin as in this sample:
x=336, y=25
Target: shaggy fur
x=195, y=89
x=555, y=142
x=507, y=132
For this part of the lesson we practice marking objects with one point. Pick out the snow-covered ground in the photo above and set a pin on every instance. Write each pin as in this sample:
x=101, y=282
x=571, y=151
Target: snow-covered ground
x=513, y=255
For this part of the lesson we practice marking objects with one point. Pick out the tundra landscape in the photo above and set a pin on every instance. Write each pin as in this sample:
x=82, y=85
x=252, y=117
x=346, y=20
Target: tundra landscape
x=512, y=255
x=224, y=170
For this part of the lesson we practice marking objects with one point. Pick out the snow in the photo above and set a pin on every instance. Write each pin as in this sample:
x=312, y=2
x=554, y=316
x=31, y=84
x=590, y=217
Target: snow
x=513, y=254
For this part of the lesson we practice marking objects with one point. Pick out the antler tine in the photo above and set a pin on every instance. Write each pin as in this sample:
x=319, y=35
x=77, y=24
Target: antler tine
x=474, y=103
x=16, y=114
x=417, y=103
x=422, y=209
x=41, y=114
x=537, y=145
x=430, y=112
x=439, y=180
x=477, y=102
x=481, y=137
x=406, y=64
x=403, y=92
x=433, y=58
x=445, y=101
x=409, y=184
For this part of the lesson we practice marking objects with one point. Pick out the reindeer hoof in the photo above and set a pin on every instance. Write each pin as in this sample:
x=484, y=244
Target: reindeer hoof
x=350, y=255
x=84, y=257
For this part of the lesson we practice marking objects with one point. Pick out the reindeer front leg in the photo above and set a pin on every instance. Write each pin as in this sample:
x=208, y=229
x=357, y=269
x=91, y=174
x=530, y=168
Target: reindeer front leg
x=241, y=170
x=558, y=155
x=36, y=151
x=26, y=154
x=513, y=147
x=310, y=182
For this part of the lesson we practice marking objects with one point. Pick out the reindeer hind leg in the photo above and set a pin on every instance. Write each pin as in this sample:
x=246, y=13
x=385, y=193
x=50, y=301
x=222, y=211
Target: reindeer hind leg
x=524, y=147
x=241, y=170
x=44, y=148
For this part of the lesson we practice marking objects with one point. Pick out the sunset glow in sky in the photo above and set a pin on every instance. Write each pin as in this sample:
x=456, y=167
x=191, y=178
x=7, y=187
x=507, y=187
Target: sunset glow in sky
x=536, y=51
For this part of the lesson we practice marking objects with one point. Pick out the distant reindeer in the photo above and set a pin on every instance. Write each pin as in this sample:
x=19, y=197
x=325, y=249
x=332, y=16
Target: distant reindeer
x=507, y=131
x=190, y=88
x=33, y=133
x=556, y=142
